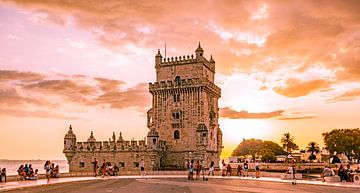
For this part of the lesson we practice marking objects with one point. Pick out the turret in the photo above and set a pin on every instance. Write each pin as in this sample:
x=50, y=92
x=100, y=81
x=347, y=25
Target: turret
x=91, y=139
x=158, y=58
x=212, y=61
x=152, y=138
x=69, y=144
x=199, y=51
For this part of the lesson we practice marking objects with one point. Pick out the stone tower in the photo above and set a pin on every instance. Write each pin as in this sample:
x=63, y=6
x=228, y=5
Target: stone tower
x=185, y=108
x=69, y=144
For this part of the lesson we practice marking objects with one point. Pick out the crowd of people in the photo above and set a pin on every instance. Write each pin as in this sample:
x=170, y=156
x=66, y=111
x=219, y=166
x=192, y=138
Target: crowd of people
x=199, y=168
x=105, y=169
x=345, y=173
x=27, y=172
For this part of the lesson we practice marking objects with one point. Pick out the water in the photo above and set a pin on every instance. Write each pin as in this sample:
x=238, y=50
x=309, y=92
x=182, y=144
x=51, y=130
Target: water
x=13, y=165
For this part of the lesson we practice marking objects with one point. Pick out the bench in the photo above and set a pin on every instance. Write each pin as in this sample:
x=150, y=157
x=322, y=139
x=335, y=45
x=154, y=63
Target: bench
x=332, y=179
x=298, y=176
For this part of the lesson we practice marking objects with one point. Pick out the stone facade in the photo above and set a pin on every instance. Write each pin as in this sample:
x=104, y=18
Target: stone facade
x=183, y=121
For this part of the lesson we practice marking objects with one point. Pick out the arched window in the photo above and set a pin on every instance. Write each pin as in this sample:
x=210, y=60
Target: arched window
x=176, y=134
x=178, y=97
x=177, y=80
x=154, y=141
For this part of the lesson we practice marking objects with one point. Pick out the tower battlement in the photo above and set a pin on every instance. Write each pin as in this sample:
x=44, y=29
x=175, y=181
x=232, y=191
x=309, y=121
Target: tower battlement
x=185, y=83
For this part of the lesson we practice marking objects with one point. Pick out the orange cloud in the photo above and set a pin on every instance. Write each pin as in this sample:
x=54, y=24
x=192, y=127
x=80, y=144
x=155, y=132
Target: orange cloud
x=79, y=89
x=6, y=75
x=347, y=96
x=295, y=118
x=297, y=88
x=229, y=113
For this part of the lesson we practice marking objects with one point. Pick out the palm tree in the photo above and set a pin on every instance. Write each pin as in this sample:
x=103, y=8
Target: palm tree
x=313, y=148
x=288, y=143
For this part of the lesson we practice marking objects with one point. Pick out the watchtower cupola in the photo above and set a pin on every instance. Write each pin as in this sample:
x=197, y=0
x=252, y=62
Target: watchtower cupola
x=199, y=51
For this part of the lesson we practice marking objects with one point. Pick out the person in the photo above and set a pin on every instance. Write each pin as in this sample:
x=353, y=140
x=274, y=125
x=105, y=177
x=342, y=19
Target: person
x=357, y=170
x=116, y=170
x=95, y=167
x=211, y=168
x=292, y=170
x=246, y=168
x=228, y=170
x=257, y=169
x=35, y=175
x=203, y=170
x=21, y=172
x=239, y=168
x=103, y=169
x=342, y=173
x=47, y=168
x=142, y=167
x=26, y=170
x=56, y=172
x=327, y=172
x=191, y=170
x=349, y=172
x=197, y=169
x=223, y=167
x=3, y=174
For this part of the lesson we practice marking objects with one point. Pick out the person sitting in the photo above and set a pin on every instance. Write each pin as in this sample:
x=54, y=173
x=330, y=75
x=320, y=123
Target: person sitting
x=3, y=174
x=56, y=172
x=239, y=168
x=327, y=172
x=116, y=170
x=21, y=172
x=34, y=175
x=342, y=173
x=357, y=170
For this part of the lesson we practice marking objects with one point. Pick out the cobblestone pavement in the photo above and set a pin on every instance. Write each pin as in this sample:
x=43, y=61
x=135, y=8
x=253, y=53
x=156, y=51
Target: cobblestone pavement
x=180, y=186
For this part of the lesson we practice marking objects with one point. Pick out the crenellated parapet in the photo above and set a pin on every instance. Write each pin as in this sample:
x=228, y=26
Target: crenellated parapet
x=185, y=83
x=182, y=60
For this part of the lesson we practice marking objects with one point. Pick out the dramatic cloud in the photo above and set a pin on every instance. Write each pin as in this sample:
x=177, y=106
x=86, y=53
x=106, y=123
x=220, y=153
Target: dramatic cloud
x=256, y=35
x=297, y=88
x=6, y=75
x=347, y=96
x=233, y=114
x=107, y=85
x=42, y=97
x=137, y=96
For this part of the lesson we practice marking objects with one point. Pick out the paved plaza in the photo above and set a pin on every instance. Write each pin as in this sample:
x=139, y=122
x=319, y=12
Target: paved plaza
x=175, y=184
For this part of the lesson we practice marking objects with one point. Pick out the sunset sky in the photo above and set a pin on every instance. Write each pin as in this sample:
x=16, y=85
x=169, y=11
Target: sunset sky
x=283, y=66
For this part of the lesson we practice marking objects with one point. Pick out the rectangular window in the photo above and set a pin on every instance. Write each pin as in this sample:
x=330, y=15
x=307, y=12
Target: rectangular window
x=82, y=164
x=136, y=164
x=121, y=164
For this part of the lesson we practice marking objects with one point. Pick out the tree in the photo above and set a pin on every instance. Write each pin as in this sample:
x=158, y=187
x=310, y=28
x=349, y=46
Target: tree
x=288, y=143
x=267, y=150
x=248, y=147
x=345, y=141
x=313, y=147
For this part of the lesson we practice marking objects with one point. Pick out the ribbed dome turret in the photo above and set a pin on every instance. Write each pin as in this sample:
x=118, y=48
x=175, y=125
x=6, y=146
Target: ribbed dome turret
x=91, y=138
x=70, y=134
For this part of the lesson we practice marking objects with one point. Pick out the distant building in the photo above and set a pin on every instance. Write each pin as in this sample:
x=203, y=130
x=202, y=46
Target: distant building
x=183, y=121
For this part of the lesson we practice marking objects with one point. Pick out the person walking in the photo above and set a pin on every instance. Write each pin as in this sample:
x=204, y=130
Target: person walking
x=95, y=167
x=142, y=167
x=246, y=168
x=257, y=169
x=211, y=169
x=292, y=170
x=47, y=168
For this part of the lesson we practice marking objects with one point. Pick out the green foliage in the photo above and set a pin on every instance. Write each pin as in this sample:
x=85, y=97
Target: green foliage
x=313, y=148
x=288, y=143
x=345, y=141
x=256, y=147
